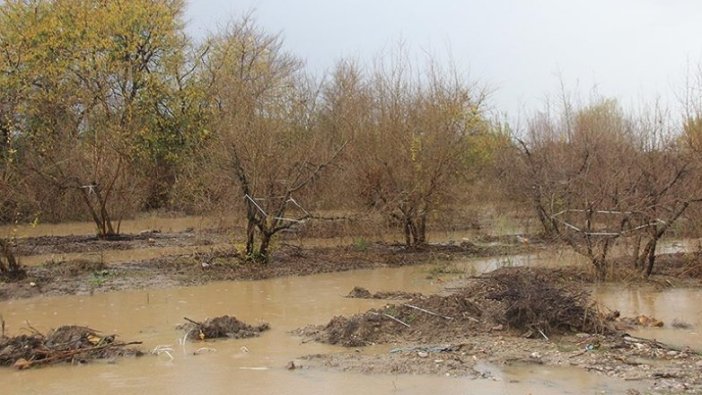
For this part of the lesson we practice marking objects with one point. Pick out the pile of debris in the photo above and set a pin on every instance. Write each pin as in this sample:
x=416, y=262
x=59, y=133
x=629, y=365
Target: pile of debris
x=221, y=327
x=522, y=301
x=531, y=299
x=72, y=344
x=362, y=293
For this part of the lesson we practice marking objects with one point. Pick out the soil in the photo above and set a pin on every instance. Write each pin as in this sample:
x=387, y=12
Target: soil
x=89, y=275
x=520, y=300
x=66, y=344
x=656, y=368
x=510, y=316
x=362, y=293
x=221, y=327
x=46, y=245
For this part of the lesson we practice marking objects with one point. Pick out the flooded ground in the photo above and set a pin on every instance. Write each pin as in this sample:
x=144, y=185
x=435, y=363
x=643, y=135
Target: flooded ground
x=258, y=365
x=681, y=305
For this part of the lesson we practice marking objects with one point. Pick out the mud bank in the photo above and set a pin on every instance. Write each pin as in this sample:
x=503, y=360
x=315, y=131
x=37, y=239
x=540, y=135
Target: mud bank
x=89, y=275
x=513, y=316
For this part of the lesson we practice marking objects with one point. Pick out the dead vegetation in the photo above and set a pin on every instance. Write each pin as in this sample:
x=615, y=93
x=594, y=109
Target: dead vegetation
x=521, y=301
x=530, y=300
x=362, y=293
x=71, y=344
x=221, y=327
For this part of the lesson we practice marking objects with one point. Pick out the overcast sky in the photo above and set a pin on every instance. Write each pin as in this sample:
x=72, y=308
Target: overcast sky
x=633, y=50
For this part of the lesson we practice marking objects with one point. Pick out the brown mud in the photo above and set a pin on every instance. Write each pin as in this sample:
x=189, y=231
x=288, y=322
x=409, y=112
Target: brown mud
x=224, y=326
x=508, y=317
x=362, y=293
x=89, y=275
x=517, y=300
x=66, y=344
x=45, y=245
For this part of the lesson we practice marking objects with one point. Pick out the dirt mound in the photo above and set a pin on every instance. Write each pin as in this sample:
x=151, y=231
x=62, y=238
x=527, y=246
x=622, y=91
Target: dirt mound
x=221, y=327
x=73, y=344
x=517, y=299
x=432, y=318
x=362, y=293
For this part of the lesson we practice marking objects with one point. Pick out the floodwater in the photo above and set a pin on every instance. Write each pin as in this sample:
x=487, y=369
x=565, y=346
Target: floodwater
x=671, y=305
x=258, y=365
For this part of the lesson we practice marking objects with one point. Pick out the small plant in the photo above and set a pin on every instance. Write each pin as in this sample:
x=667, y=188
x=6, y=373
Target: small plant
x=99, y=278
x=361, y=244
x=256, y=256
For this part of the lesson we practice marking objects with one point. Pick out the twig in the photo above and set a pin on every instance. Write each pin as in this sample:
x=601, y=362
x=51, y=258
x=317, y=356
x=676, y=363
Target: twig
x=543, y=334
x=427, y=311
x=394, y=319
x=33, y=329
x=71, y=353
x=193, y=321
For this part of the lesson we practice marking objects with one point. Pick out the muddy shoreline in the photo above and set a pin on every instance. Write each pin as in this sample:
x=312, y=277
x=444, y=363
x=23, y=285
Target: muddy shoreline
x=472, y=350
x=482, y=328
x=213, y=261
x=78, y=265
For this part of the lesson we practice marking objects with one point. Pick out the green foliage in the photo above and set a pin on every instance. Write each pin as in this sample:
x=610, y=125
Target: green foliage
x=99, y=278
x=99, y=92
x=360, y=244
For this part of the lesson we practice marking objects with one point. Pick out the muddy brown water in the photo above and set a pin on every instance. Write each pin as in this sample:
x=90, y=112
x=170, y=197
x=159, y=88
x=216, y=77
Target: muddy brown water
x=257, y=365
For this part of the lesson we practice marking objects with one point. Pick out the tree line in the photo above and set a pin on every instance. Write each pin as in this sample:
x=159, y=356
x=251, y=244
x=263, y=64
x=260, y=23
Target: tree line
x=108, y=109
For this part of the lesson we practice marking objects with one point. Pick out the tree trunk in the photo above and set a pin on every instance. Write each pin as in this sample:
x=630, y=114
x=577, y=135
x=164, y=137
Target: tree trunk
x=637, y=251
x=641, y=261
x=421, y=230
x=13, y=269
x=265, y=244
x=544, y=218
x=600, y=269
x=651, y=258
x=99, y=222
x=408, y=232
x=250, y=235
x=106, y=229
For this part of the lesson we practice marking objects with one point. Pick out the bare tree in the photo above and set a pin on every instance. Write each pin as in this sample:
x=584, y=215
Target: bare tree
x=579, y=172
x=267, y=141
x=594, y=176
x=411, y=136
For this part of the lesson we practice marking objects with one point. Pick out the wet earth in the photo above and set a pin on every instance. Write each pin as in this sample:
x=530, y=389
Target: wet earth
x=430, y=328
